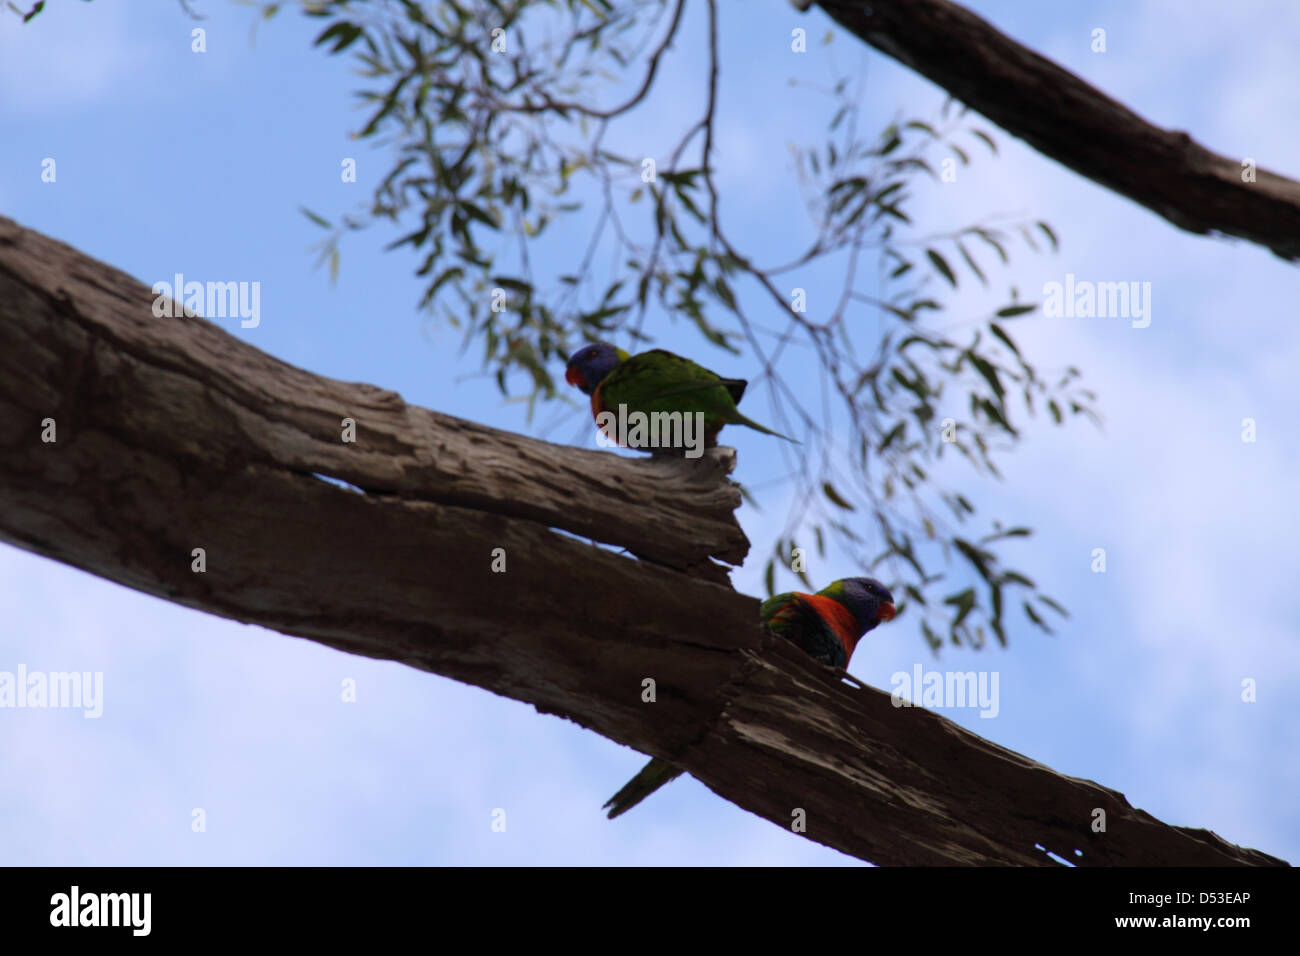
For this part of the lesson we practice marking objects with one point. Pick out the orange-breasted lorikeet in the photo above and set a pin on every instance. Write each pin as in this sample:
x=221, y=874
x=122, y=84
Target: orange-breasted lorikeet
x=827, y=626
x=658, y=381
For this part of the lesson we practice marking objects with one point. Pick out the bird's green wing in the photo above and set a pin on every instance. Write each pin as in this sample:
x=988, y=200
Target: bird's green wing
x=659, y=381
x=771, y=609
x=789, y=616
x=734, y=386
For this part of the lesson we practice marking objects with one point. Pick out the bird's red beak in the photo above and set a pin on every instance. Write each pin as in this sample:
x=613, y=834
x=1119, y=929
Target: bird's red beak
x=887, y=612
x=573, y=375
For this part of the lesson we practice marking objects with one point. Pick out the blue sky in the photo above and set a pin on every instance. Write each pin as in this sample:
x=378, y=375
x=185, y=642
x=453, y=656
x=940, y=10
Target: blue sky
x=174, y=161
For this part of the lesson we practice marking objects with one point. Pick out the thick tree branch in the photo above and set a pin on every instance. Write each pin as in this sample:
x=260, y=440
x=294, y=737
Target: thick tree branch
x=173, y=435
x=1076, y=124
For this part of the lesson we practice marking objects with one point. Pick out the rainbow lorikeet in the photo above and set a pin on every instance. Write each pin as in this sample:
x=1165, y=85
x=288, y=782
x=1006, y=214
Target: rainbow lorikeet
x=826, y=626
x=658, y=381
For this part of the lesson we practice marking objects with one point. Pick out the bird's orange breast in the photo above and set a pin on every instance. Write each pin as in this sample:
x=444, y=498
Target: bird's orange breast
x=598, y=406
x=838, y=617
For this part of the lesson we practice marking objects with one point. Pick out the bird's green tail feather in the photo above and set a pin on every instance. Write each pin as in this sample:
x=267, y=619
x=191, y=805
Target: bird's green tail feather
x=750, y=423
x=652, y=776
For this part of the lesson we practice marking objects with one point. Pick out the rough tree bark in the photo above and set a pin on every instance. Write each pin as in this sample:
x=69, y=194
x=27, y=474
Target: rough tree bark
x=1076, y=124
x=172, y=435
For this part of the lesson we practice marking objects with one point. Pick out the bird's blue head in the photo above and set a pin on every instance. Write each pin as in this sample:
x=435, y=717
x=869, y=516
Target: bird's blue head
x=866, y=599
x=589, y=365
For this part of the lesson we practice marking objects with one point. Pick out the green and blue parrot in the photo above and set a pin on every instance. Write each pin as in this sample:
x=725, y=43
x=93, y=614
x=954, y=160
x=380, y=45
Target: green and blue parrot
x=826, y=626
x=658, y=381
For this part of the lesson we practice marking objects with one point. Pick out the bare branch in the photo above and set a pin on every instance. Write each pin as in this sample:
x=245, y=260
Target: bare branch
x=1076, y=124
